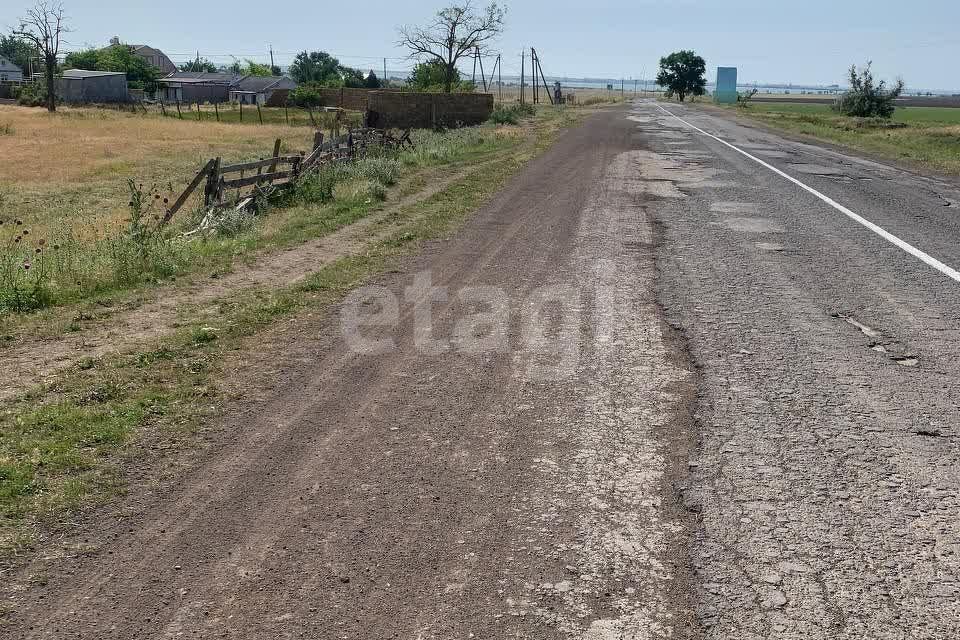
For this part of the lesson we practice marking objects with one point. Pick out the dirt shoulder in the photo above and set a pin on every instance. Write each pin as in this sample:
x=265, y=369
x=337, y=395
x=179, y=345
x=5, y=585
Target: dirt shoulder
x=438, y=489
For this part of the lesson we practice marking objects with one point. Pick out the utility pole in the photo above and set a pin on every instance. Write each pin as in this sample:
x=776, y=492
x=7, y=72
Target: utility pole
x=523, y=60
x=500, y=77
x=271, y=60
x=533, y=68
x=384, y=83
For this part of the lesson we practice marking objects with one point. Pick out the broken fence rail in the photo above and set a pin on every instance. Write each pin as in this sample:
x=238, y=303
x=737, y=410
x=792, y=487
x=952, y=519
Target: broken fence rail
x=355, y=142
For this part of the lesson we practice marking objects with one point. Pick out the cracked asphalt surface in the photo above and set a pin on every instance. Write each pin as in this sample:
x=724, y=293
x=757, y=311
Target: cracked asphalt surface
x=826, y=476
x=663, y=393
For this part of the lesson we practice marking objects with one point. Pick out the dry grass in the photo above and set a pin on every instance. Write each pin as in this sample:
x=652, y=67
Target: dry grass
x=72, y=165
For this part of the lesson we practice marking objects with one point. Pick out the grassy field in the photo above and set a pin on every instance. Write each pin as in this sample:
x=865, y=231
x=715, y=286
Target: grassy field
x=69, y=231
x=924, y=136
x=64, y=445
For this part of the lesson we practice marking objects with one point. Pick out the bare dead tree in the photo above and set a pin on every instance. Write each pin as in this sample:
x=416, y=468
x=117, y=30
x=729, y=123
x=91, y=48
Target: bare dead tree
x=44, y=26
x=455, y=32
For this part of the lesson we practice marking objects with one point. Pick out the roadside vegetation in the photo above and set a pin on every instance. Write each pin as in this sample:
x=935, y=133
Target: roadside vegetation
x=867, y=118
x=102, y=235
x=926, y=136
x=64, y=444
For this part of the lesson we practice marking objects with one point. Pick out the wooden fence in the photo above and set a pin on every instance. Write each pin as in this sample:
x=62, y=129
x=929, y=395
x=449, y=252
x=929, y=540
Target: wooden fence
x=241, y=183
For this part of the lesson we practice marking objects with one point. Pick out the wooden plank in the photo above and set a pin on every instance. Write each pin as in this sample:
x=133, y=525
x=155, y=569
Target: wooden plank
x=186, y=192
x=256, y=164
x=255, y=179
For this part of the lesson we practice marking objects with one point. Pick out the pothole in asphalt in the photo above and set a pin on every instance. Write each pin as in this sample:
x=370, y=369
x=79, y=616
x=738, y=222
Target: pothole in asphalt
x=753, y=225
x=906, y=361
x=945, y=201
x=735, y=207
x=870, y=332
x=890, y=348
x=770, y=246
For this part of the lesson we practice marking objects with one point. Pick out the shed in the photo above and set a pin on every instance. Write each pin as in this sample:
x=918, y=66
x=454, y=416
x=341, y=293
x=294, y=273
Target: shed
x=260, y=89
x=80, y=85
x=196, y=86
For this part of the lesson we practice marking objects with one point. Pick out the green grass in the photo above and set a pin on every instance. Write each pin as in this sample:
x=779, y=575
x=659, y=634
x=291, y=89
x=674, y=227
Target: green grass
x=64, y=445
x=66, y=268
x=928, y=136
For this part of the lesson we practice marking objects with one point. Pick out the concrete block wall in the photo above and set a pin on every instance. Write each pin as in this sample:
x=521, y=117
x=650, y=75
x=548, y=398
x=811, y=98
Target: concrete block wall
x=400, y=110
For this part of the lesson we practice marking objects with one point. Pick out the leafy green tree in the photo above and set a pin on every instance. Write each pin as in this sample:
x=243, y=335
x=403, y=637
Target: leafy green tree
x=316, y=66
x=372, y=81
x=683, y=73
x=865, y=99
x=432, y=76
x=18, y=51
x=352, y=78
x=200, y=65
x=456, y=32
x=85, y=59
x=255, y=69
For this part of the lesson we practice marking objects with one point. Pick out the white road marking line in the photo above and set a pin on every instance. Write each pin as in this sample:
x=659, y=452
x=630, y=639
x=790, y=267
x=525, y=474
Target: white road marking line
x=880, y=231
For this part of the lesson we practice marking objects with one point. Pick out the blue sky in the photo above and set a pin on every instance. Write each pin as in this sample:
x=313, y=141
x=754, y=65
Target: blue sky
x=800, y=42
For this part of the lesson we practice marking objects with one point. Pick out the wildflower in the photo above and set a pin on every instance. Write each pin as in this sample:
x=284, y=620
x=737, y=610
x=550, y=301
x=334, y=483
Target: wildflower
x=26, y=232
x=19, y=222
x=166, y=200
x=56, y=247
x=42, y=242
x=26, y=265
x=156, y=196
x=37, y=250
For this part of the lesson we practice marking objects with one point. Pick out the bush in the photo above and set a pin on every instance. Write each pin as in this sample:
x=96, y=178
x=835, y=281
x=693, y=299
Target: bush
x=865, y=99
x=512, y=114
x=32, y=95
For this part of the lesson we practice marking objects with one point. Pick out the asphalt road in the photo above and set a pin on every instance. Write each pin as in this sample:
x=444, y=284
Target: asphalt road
x=826, y=478
x=653, y=389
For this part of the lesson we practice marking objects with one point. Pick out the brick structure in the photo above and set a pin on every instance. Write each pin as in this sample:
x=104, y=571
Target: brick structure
x=400, y=110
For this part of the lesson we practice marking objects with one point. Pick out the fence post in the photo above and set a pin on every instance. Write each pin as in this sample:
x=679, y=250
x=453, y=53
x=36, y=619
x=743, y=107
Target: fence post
x=286, y=116
x=199, y=118
x=217, y=110
x=317, y=140
x=179, y=113
x=276, y=154
x=259, y=113
x=241, y=111
x=162, y=109
x=213, y=182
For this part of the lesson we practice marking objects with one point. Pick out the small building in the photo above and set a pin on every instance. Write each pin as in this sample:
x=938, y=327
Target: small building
x=726, y=91
x=196, y=87
x=262, y=90
x=80, y=85
x=10, y=72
